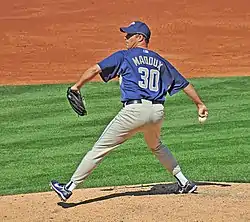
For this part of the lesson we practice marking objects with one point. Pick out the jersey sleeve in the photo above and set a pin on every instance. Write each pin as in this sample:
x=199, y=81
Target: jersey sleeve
x=111, y=65
x=179, y=82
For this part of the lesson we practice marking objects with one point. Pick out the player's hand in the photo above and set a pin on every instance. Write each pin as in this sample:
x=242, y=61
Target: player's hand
x=74, y=88
x=76, y=100
x=202, y=110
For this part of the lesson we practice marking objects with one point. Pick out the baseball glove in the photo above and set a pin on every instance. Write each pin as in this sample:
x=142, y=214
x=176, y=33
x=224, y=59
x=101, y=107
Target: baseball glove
x=77, y=102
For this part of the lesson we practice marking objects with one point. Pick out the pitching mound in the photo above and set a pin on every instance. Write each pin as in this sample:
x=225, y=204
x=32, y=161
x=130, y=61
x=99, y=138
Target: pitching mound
x=154, y=202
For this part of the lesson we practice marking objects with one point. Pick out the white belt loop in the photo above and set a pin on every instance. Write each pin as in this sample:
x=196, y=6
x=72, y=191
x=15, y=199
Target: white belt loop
x=144, y=101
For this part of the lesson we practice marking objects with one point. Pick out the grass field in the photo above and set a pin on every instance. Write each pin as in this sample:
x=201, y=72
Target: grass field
x=42, y=139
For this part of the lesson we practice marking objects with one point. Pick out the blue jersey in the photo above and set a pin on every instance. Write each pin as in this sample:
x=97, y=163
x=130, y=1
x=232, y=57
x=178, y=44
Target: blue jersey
x=143, y=74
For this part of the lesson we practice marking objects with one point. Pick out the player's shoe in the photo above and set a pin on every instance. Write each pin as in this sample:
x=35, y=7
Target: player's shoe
x=189, y=187
x=60, y=189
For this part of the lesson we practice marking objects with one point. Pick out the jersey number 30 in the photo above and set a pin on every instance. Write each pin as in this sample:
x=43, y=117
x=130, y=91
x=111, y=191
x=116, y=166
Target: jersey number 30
x=150, y=78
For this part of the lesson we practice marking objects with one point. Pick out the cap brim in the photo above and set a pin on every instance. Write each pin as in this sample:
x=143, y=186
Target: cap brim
x=127, y=30
x=130, y=30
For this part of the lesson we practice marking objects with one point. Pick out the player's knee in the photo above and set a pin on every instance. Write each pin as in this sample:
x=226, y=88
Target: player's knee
x=157, y=147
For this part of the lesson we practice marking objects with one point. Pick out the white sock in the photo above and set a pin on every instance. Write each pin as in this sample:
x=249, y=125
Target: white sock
x=181, y=178
x=70, y=186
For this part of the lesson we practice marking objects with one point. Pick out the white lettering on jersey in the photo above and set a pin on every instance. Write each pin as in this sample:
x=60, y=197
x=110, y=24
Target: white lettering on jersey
x=141, y=60
x=136, y=61
x=148, y=60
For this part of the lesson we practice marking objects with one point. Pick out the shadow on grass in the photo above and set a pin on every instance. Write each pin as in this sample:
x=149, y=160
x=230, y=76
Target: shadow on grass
x=156, y=189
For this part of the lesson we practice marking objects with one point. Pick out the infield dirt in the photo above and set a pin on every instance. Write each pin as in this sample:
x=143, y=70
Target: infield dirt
x=50, y=41
x=213, y=202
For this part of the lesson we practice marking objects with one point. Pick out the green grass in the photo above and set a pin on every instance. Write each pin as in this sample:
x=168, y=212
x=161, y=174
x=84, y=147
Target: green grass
x=42, y=139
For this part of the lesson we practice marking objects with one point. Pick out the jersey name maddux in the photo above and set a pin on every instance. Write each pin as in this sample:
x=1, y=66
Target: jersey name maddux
x=143, y=74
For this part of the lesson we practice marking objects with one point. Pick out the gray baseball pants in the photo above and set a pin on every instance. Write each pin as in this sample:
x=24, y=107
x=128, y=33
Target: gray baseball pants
x=146, y=118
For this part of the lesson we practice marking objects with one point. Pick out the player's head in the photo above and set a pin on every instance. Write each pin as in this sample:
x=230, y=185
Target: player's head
x=137, y=34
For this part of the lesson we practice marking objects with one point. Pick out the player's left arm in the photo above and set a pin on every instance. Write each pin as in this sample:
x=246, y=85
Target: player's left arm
x=107, y=69
x=87, y=76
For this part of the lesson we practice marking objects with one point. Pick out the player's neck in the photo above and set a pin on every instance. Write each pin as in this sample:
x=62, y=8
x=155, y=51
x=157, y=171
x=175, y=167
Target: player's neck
x=144, y=47
x=141, y=45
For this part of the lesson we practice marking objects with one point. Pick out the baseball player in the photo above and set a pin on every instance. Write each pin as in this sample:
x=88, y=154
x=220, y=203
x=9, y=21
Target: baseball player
x=145, y=79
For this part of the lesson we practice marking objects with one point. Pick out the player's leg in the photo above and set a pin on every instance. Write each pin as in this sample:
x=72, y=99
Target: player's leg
x=118, y=131
x=166, y=158
x=162, y=153
x=125, y=124
x=111, y=138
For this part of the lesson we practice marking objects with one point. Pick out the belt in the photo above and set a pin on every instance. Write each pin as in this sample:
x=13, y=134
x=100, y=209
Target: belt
x=139, y=101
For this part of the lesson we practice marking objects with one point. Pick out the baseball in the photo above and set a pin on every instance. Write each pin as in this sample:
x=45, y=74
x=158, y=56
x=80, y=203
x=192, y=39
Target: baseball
x=202, y=119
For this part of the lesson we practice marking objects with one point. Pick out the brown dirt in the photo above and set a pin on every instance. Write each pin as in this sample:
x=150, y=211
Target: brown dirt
x=50, y=41
x=213, y=202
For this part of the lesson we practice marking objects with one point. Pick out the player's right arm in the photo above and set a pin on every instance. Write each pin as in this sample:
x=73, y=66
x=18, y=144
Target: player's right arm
x=191, y=92
x=179, y=82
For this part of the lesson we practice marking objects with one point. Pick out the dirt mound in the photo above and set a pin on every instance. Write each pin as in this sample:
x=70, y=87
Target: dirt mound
x=155, y=202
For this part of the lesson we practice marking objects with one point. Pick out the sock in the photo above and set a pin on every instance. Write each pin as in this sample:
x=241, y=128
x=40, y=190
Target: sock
x=70, y=186
x=181, y=178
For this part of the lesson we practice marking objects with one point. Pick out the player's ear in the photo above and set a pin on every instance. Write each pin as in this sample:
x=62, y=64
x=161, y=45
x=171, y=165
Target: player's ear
x=141, y=38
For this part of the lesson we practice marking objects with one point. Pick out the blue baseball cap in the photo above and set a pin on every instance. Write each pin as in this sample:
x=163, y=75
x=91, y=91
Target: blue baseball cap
x=137, y=27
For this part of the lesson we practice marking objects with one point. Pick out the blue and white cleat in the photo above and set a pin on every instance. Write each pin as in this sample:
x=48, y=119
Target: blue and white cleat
x=60, y=189
x=189, y=187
